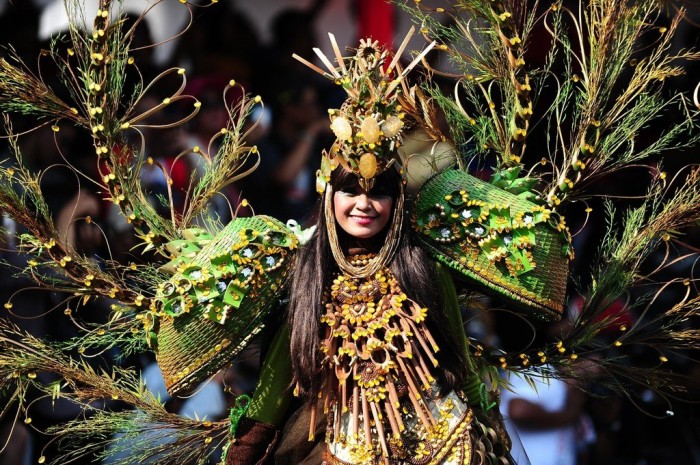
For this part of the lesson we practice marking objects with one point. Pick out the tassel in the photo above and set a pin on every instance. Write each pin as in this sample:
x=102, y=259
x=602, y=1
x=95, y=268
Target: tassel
x=392, y=393
x=425, y=347
x=365, y=415
x=380, y=429
x=419, y=410
x=390, y=413
x=312, y=423
x=344, y=395
x=417, y=367
x=426, y=370
x=336, y=423
x=327, y=397
x=355, y=404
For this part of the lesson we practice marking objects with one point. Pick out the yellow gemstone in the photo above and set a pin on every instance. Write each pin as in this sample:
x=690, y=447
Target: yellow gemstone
x=368, y=165
x=341, y=128
x=370, y=130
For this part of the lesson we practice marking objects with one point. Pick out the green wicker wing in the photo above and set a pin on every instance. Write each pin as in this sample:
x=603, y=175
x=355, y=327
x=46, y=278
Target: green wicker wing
x=222, y=289
x=499, y=241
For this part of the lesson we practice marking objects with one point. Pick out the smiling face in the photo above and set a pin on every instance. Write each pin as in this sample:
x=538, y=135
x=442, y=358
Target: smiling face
x=362, y=214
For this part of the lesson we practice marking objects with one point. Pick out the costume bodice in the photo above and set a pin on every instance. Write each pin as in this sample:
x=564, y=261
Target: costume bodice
x=379, y=366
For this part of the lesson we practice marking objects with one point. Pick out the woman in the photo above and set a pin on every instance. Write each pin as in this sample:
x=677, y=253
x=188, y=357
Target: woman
x=374, y=341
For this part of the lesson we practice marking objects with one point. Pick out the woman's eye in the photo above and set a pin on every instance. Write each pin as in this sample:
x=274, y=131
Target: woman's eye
x=379, y=193
x=351, y=189
x=374, y=193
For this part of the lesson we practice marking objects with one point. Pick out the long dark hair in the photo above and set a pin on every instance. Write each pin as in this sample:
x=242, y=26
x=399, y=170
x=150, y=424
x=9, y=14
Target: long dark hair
x=316, y=269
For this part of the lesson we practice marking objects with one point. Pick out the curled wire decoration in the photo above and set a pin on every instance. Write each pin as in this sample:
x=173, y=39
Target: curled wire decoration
x=96, y=103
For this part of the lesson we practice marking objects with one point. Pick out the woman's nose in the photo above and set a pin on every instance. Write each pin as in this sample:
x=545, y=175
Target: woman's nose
x=363, y=202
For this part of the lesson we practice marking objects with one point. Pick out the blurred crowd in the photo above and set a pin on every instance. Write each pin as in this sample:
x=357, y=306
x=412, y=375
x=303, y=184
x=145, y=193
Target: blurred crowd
x=595, y=426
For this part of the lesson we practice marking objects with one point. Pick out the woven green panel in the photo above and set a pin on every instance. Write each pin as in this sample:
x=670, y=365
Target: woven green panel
x=218, y=298
x=501, y=242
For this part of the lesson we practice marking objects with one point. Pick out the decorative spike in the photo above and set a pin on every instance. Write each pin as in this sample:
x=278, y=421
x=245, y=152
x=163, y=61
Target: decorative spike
x=399, y=51
x=417, y=59
x=326, y=62
x=309, y=64
x=338, y=55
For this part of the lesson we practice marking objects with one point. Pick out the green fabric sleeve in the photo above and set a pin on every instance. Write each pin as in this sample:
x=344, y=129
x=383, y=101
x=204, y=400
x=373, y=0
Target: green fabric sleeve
x=473, y=383
x=273, y=394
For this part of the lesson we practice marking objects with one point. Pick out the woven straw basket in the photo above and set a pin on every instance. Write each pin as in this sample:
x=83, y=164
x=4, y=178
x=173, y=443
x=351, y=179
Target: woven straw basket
x=540, y=290
x=191, y=347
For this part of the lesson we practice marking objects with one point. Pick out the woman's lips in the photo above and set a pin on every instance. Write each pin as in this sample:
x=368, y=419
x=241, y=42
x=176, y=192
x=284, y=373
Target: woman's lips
x=362, y=220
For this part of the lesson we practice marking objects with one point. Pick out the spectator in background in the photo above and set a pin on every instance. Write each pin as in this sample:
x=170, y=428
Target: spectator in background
x=19, y=25
x=547, y=414
x=223, y=43
x=293, y=32
x=284, y=184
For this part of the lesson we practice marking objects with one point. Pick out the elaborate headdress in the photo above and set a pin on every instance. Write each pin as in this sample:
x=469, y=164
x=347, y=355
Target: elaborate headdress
x=368, y=129
x=368, y=126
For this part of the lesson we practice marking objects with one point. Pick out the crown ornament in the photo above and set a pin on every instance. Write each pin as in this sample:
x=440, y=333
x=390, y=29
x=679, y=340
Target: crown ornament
x=370, y=123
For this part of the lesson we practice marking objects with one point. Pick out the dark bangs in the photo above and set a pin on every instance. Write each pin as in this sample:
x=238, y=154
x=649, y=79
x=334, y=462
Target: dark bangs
x=386, y=183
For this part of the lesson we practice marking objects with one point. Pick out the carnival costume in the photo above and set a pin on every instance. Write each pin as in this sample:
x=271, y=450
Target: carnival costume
x=216, y=284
